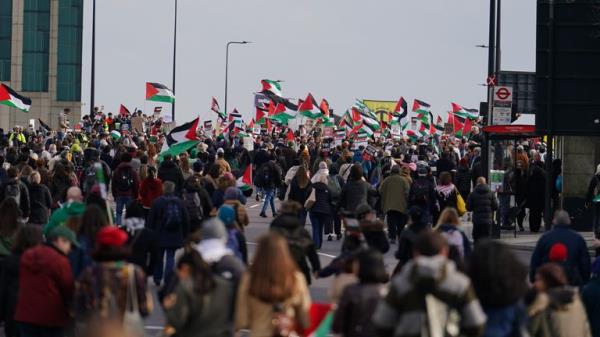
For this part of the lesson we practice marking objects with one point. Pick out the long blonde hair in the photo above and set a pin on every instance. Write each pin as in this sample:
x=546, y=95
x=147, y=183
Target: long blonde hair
x=449, y=216
x=272, y=273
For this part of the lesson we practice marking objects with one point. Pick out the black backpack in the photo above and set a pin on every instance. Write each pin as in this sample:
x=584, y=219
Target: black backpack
x=264, y=175
x=173, y=217
x=124, y=179
x=89, y=179
x=193, y=205
x=420, y=191
x=12, y=190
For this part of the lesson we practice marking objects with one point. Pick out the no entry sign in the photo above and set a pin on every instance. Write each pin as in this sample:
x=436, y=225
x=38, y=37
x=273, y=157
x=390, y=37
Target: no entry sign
x=503, y=94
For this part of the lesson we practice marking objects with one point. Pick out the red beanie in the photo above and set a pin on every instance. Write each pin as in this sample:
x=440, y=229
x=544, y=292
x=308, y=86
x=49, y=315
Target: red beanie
x=558, y=253
x=111, y=236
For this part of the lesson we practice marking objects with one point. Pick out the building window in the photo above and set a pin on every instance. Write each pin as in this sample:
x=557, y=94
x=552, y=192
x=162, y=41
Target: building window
x=70, y=27
x=36, y=45
x=5, y=39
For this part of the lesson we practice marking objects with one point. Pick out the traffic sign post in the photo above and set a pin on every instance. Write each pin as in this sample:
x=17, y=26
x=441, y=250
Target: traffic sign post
x=502, y=105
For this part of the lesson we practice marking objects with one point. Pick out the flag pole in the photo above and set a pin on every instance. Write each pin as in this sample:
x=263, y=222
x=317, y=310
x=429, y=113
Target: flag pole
x=174, y=62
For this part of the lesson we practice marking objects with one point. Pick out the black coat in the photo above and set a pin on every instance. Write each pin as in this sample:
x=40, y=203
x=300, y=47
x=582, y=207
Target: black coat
x=463, y=181
x=536, y=187
x=323, y=199
x=168, y=170
x=353, y=317
x=300, y=242
x=168, y=238
x=9, y=286
x=41, y=202
x=482, y=202
x=374, y=234
x=144, y=249
x=298, y=193
x=355, y=193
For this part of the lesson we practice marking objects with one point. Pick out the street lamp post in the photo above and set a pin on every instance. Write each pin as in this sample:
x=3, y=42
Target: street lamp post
x=227, y=65
x=93, y=65
x=174, y=61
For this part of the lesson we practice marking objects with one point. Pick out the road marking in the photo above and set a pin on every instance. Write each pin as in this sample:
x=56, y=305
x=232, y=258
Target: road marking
x=255, y=205
x=318, y=253
x=153, y=327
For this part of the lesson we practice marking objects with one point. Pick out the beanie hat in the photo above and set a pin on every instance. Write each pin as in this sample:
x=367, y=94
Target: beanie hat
x=197, y=166
x=558, y=253
x=213, y=228
x=227, y=215
x=111, y=236
x=65, y=233
x=231, y=193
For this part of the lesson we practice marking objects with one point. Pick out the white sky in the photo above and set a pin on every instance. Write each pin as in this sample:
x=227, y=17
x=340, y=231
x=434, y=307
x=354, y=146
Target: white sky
x=337, y=49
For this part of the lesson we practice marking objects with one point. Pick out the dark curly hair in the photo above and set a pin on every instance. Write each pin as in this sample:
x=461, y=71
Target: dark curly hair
x=499, y=278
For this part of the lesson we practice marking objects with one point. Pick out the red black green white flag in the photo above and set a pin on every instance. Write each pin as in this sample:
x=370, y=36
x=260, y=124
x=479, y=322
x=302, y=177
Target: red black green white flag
x=464, y=112
x=13, y=99
x=309, y=109
x=159, y=93
x=123, y=111
x=421, y=107
x=184, y=132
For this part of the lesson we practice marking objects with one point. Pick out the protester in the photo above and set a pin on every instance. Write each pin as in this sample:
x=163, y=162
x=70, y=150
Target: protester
x=202, y=303
x=100, y=294
x=300, y=188
x=150, y=189
x=410, y=235
x=300, y=244
x=557, y=309
x=372, y=229
x=320, y=212
x=46, y=286
x=9, y=225
x=482, y=202
x=269, y=178
x=458, y=243
x=168, y=218
x=446, y=192
x=142, y=241
x=236, y=241
x=169, y=171
x=17, y=190
x=578, y=257
x=40, y=200
x=353, y=316
x=499, y=279
x=422, y=194
x=27, y=237
x=266, y=300
x=394, y=192
x=356, y=191
x=429, y=279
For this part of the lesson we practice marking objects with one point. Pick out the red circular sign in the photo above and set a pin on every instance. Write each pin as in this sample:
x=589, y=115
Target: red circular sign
x=503, y=93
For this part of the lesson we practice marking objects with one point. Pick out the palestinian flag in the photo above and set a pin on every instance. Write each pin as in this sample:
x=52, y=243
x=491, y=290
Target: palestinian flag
x=457, y=124
x=214, y=106
x=123, y=111
x=309, y=109
x=467, y=128
x=324, y=107
x=159, y=93
x=183, y=133
x=157, y=109
x=412, y=135
x=327, y=121
x=44, y=125
x=439, y=124
x=272, y=90
x=244, y=182
x=279, y=114
x=463, y=112
x=178, y=148
x=260, y=116
x=236, y=123
x=272, y=87
x=420, y=107
x=12, y=99
x=401, y=110
x=116, y=135
x=424, y=130
x=250, y=125
x=290, y=136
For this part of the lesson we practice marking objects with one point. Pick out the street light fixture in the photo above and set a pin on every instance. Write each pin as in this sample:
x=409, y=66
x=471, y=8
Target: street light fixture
x=227, y=65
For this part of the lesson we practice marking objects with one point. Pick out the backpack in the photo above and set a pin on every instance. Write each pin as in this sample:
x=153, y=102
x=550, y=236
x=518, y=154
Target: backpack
x=89, y=179
x=420, y=191
x=173, y=217
x=264, y=175
x=193, y=204
x=334, y=187
x=124, y=179
x=12, y=190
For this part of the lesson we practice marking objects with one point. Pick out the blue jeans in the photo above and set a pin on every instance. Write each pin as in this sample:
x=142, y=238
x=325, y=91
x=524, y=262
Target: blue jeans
x=318, y=222
x=269, y=199
x=121, y=203
x=168, y=266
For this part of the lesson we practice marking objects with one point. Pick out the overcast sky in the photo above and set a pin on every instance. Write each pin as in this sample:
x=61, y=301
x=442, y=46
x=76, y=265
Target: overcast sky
x=337, y=49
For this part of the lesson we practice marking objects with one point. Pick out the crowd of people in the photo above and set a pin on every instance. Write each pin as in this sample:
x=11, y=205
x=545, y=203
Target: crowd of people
x=90, y=219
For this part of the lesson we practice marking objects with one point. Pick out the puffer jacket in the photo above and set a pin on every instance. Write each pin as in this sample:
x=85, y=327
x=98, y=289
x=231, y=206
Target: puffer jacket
x=323, y=199
x=482, y=202
x=355, y=193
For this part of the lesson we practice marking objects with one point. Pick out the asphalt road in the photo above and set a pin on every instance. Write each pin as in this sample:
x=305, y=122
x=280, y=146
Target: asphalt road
x=259, y=226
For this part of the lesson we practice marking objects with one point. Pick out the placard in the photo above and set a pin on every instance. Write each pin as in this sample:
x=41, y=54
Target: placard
x=249, y=143
x=396, y=130
x=208, y=126
x=327, y=132
x=413, y=123
x=496, y=178
x=256, y=130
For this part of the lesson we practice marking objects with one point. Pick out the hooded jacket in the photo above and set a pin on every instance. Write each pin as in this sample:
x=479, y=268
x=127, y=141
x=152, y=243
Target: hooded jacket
x=168, y=170
x=560, y=312
x=402, y=312
x=45, y=287
x=482, y=202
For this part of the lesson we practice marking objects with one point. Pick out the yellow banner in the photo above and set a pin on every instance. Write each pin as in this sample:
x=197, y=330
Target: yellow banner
x=380, y=108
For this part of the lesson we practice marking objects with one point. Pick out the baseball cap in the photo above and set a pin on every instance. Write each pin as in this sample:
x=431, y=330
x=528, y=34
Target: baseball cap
x=65, y=233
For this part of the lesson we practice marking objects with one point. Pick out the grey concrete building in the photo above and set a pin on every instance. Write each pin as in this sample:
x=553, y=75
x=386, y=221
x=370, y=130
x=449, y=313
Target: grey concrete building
x=40, y=58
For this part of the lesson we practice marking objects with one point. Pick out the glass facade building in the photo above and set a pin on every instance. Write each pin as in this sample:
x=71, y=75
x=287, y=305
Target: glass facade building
x=5, y=39
x=36, y=45
x=70, y=27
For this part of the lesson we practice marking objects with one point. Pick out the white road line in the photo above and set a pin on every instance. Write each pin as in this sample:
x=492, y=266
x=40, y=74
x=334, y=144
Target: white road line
x=253, y=206
x=318, y=253
x=153, y=327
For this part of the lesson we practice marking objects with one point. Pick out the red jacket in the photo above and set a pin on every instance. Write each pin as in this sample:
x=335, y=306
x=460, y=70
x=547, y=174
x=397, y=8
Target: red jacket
x=150, y=190
x=45, y=287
